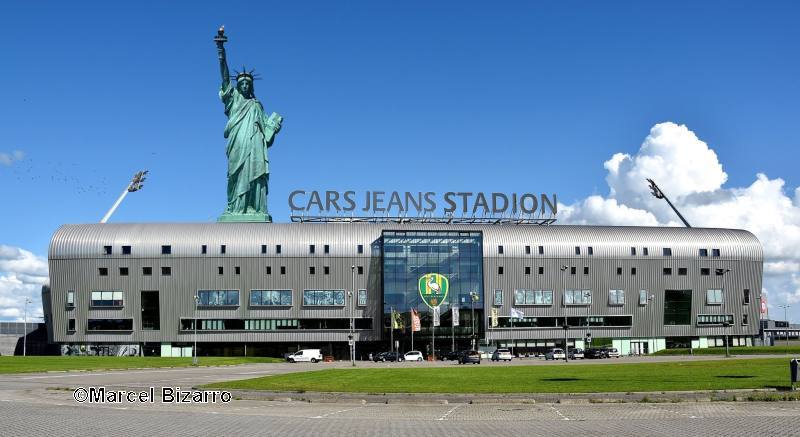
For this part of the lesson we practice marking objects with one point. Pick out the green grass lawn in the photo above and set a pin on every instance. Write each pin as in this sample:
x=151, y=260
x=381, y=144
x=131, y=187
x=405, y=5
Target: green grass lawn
x=736, y=350
x=558, y=378
x=17, y=364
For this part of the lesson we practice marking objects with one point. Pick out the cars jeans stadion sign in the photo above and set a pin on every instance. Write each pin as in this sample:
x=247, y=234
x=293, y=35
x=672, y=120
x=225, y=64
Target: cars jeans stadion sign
x=421, y=202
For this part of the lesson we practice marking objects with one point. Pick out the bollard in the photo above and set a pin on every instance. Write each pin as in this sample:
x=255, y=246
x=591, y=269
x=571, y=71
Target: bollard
x=794, y=369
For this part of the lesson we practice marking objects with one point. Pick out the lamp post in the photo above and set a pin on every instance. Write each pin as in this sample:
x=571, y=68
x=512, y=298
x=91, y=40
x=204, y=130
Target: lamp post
x=25, y=330
x=352, y=320
x=473, y=296
x=725, y=324
x=194, y=349
x=786, y=317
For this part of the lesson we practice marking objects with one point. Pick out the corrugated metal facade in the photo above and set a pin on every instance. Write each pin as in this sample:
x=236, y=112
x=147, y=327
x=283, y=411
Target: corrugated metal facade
x=77, y=252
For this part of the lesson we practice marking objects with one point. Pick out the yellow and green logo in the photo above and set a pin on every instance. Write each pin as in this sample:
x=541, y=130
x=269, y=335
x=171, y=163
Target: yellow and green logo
x=433, y=288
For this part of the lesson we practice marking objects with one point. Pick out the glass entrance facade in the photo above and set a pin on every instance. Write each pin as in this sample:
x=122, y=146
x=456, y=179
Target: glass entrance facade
x=458, y=256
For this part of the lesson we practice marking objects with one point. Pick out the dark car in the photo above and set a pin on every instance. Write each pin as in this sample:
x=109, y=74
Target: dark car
x=469, y=357
x=449, y=356
x=387, y=356
x=594, y=353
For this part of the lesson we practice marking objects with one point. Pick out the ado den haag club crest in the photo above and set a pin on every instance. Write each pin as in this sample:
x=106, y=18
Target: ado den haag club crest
x=433, y=288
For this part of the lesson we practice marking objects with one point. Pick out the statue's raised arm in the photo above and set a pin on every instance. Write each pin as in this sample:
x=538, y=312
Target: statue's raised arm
x=221, y=39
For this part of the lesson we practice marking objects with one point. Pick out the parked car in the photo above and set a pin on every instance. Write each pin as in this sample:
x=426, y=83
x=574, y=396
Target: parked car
x=611, y=352
x=387, y=356
x=576, y=353
x=312, y=355
x=413, y=356
x=502, y=354
x=450, y=356
x=469, y=357
x=594, y=353
x=554, y=354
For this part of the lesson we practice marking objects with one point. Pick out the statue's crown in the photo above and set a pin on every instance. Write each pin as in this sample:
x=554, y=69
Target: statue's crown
x=244, y=74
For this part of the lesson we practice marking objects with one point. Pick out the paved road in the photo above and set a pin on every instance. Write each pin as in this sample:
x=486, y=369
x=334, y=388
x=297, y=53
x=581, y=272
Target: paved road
x=36, y=404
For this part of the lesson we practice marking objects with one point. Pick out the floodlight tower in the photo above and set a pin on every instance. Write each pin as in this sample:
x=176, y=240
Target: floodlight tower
x=658, y=194
x=136, y=184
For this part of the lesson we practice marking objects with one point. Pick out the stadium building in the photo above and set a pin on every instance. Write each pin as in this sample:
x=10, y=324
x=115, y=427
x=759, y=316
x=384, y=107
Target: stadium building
x=272, y=288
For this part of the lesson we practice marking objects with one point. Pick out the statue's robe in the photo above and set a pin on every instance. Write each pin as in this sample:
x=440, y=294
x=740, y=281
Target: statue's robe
x=250, y=133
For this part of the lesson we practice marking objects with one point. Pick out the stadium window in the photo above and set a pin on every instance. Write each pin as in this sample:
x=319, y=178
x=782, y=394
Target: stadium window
x=360, y=248
x=746, y=297
x=498, y=297
x=220, y=270
x=619, y=270
x=572, y=270
x=166, y=250
x=633, y=271
x=107, y=250
x=643, y=298
x=745, y=320
x=500, y=250
x=591, y=250
x=704, y=271
x=616, y=297
x=269, y=270
x=667, y=251
x=326, y=270
x=527, y=270
x=222, y=249
x=715, y=252
x=682, y=271
x=204, y=249
x=71, y=325
x=527, y=250
x=633, y=251
x=166, y=271
x=147, y=271
x=126, y=250
x=586, y=270
x=102, y=271
x=667, y=271
x=645, y=251
x=703, y=252
x=541, y=270
x=237, y=270
x=311, y=249
x=499, y=270
x=263, y=249
x=577, y=250
x=360, y=270
x=326, y=249
x=123, y=271
x=541, y=250
x=71, y=298
x=362, y=297
x=278, y=249
x=714, y=297
x=311, y=270
x=283, y=270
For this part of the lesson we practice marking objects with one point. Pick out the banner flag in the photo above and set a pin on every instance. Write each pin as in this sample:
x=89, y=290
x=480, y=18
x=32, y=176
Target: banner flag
x=455, y=315
x=397, y=320
x=416, y=326
x=516, y=314
x=494, y=317
x=436, y=316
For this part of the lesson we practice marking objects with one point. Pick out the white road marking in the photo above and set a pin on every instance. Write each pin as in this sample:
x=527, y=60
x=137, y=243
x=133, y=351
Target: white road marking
x=444, y=417
x=335, y=412
x=563, y=417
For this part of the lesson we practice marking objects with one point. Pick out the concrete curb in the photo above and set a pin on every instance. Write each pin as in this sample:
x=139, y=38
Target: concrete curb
x=484, y=398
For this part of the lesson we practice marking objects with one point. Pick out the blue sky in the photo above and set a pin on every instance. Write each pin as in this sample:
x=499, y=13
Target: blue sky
x=524, y=97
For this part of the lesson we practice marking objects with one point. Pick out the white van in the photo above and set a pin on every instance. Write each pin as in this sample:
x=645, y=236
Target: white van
x=312, y=355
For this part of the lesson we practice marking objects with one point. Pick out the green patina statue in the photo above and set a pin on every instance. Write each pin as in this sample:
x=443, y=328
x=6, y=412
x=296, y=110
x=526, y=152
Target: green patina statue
x=250, y=133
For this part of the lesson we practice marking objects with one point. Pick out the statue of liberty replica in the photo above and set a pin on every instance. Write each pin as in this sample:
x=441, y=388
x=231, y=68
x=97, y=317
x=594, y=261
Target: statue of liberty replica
x=250, y=133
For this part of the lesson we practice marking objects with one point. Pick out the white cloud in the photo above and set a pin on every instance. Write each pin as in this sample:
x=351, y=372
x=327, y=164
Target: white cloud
x=689, y=172
x=22, y=275
x=10, y=158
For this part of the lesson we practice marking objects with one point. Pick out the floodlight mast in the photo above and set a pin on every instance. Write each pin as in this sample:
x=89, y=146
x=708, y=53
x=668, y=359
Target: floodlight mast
x=658, y=194
x=136, y=184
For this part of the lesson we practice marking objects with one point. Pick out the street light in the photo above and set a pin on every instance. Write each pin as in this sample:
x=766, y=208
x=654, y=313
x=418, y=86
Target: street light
x=352, y=320
x=786, y=318
x=473, y=297
x=725, y=323
x=194, y=349
x=25, y=331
